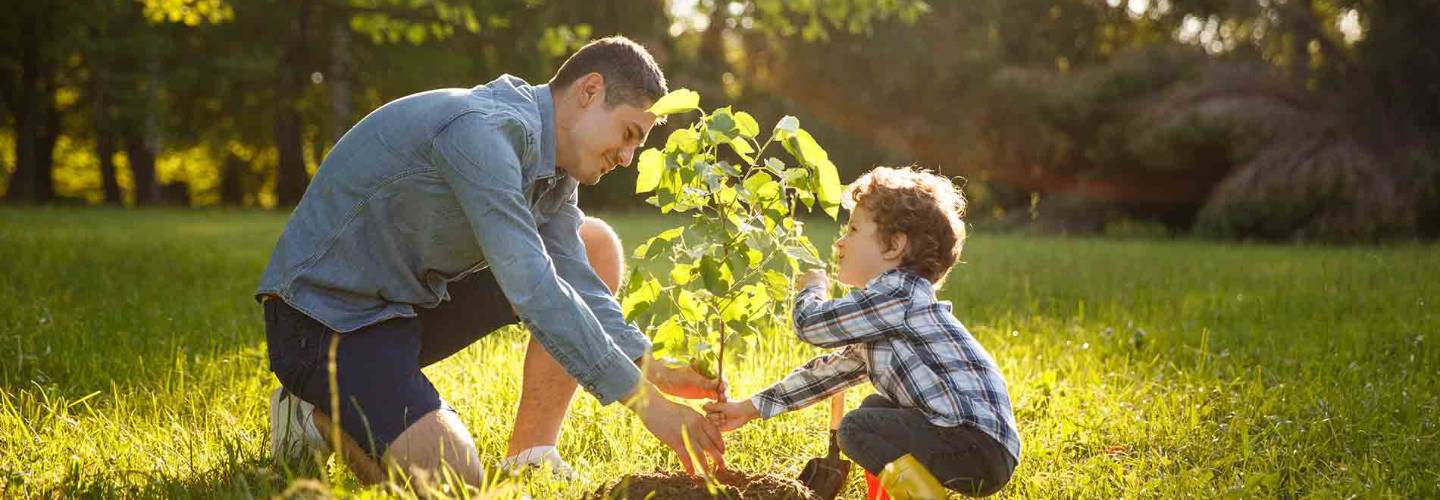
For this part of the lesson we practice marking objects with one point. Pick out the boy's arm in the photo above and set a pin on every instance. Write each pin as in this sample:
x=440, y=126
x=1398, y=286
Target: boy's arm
x=812, y=382
x=863, y=315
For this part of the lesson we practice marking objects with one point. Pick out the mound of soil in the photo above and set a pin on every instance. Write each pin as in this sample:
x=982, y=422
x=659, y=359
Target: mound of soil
x=733, y=484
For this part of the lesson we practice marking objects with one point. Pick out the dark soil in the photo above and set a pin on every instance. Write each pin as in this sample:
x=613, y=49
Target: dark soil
x=733, y=484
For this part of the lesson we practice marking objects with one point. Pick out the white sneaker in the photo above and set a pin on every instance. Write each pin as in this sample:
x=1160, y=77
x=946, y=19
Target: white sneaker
x=540, y=457
x=292, y=427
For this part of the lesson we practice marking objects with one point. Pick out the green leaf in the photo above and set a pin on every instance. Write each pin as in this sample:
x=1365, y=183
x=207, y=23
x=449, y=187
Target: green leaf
x=769, y=192
x=690, y=307
x=786, y=127
x=758, y=181
x=795, y=176
x=741, y=146
x=704, y=365
x=806, y=197
x=669, y=336
x=726, y=195
x=657, y=244
x=778, y=285
x=830, y=189
x=804, y=254
x=713, y=275
x=809, y=151
x=681, y=274
x=684, y=140
x=760, y=304
x=640, y=299
x=730, y=170
x=774, y=214
x=811, y=154
x=721, y=126
x=712, y=177
x=648, y=170
x=754, y=257
x=677, y=101
x=737, y=308
x=741, y=339
x=746, y=124
x=738, y=262
x=775, y=164
x=743, y=149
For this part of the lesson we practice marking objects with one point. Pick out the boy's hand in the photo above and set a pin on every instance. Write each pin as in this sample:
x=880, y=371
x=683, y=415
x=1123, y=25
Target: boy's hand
x=815, y=277
x=731, y=416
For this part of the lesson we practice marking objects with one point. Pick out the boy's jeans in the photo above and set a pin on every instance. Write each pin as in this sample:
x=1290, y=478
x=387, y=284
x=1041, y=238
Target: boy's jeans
x=963, y=458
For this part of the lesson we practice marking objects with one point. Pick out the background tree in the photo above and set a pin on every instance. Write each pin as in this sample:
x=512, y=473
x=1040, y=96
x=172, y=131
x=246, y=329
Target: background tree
x=1293, y=119
x=1135, y=109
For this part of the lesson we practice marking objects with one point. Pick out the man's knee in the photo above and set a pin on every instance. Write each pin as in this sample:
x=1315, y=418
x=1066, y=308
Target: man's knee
x=603, y=248
x=436, y=444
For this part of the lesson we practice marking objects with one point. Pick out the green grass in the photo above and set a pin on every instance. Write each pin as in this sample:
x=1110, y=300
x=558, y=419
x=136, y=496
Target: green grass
x=132, y=364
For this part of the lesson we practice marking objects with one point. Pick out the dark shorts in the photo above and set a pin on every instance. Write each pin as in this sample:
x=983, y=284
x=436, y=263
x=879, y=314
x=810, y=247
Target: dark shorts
x=377, y=368
x=964, y=458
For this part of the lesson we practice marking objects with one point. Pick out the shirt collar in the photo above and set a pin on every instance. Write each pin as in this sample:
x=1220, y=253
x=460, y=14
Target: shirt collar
x=902, y=279
x=546, y=104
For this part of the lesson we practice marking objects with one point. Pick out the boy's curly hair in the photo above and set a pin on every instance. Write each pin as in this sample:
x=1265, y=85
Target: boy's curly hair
x=927, y=208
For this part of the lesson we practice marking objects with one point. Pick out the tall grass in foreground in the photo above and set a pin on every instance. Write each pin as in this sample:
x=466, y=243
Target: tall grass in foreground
x=132, y=363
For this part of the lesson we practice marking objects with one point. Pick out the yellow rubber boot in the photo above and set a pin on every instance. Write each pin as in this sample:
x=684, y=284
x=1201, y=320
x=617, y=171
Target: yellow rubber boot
x=906, y=479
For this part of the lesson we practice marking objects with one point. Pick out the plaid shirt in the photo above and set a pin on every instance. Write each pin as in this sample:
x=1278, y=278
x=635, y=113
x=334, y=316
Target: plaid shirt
x=912, y=348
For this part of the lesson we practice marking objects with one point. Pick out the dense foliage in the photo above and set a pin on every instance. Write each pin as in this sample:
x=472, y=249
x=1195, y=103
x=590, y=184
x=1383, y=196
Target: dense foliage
x=728, y=282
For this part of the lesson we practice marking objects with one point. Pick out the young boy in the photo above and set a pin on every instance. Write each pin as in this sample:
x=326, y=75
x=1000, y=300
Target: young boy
x=941, y=417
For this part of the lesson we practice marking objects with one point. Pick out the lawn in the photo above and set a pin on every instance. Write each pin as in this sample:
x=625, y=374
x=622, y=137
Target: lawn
x=132, y=363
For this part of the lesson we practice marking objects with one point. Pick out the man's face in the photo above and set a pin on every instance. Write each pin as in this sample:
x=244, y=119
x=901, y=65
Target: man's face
x=605, y=137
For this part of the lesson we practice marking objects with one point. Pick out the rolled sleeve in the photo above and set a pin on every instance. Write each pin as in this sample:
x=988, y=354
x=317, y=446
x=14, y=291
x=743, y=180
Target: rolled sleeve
x=561, y=235
x=480, y=158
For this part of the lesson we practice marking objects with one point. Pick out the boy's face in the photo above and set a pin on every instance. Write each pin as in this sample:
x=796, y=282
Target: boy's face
x=861, y=254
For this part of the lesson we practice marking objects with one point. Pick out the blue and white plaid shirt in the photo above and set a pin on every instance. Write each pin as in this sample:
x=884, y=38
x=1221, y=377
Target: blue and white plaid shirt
x=911, y=347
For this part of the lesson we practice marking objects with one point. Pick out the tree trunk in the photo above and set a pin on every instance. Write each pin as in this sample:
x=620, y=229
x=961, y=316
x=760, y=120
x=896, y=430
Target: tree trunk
x=48, y=133
x=142, y=169
x=290, y=178
x=109, y=183
x=341, y=101
x=1303, y=29
x=142, y=136
x=232, y=180
x=27, y=109
x=104, y=134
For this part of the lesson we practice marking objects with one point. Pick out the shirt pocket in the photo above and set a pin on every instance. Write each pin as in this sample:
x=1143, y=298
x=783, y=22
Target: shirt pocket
x=549, y=198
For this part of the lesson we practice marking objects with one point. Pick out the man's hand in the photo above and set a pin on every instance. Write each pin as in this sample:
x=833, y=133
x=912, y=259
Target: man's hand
x=683, y=381
x=674, y=424
x=815, y=277
x=731, y=416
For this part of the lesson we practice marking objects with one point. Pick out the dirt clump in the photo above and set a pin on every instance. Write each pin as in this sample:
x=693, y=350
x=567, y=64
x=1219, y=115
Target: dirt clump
x=731, y=484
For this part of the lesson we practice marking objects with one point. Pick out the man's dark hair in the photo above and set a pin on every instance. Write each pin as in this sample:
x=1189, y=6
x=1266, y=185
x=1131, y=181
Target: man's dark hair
x=631, y=75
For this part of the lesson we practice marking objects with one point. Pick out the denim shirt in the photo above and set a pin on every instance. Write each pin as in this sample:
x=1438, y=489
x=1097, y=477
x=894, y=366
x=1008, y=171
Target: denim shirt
x=435, y=186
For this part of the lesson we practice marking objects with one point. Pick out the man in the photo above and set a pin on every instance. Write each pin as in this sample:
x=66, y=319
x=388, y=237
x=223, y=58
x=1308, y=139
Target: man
x=440, y=217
